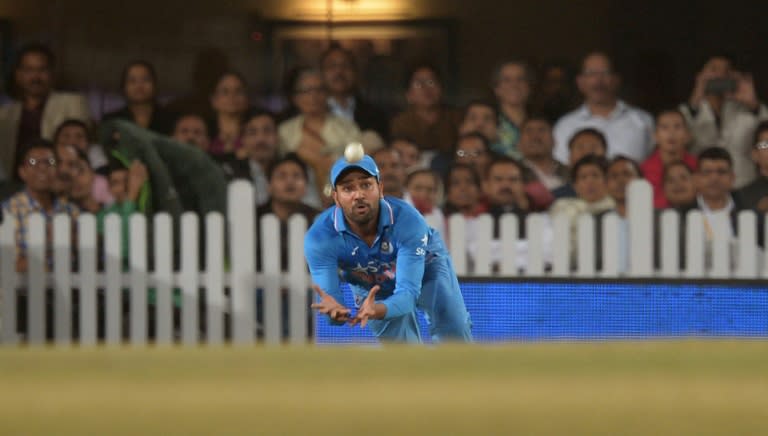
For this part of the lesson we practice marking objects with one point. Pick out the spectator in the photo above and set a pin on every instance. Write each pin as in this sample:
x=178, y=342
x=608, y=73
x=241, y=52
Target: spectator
x=481, y=117
x=36, y=110
x=723, y=110
x=37, y=169
x=260, y=149
x=83, y=176
x=585, y=142
x=288, y=179
x=317, y=136
x=138, y=83
x=714, y=180
x=409, y=153
x=230, y=103
x=463, y=190
x=512, y=86
x=679, y=187
x=755, y=195
x=536, y=145
x=472, y=149
x=75, y=132
x=621, y=171
x=504, y=190
x=427, y=121
x=672, y=139
x=391, y=171
x=628, y=129
x=423, y=191
x=69, y=168
x=555, y=94
x=341, y=80
x=589, y=181
x=191, y=129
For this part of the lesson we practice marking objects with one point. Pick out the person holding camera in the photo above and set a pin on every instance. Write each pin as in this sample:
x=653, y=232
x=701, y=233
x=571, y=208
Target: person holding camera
x=723, y=111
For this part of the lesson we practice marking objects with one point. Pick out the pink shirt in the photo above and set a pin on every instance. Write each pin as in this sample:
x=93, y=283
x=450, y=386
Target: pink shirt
x=100, y=190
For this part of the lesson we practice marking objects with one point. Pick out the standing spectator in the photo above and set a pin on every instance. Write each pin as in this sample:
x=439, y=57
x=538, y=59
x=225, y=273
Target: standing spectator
x=36, y=110
x=341, y=79
x=409, y=153
x=260, y=146
x=672, y=139
x=512, y=86
x=629, y=130
x=424, y=190
x=536, y=145
x=482, y=117
x=138, y=84
x=316, y=135
x=583, y=143
x=391, y=171
x=555, y=95
x=723, y=110
x=37, y=169
x=427, y=121
x=755, y=195
x=230, y=103
x=191, y=129
x=679, y=187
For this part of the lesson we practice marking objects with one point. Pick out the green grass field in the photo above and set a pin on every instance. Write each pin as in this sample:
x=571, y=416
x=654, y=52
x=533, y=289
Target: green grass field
x=676, y=387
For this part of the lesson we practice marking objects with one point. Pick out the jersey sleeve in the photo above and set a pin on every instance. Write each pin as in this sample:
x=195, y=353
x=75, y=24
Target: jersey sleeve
x=320, y=254
x=412, y=234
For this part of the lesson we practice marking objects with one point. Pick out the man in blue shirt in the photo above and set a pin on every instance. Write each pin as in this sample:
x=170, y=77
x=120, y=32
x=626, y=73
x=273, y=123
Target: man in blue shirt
x=393, y=262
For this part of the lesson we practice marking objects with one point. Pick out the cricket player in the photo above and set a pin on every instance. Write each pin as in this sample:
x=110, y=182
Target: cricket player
x=392, y=261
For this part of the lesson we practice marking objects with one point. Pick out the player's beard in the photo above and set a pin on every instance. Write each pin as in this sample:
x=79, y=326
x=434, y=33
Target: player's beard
x=362, y=216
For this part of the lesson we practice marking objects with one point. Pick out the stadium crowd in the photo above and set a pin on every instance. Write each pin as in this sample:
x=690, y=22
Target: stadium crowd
x=535, y=146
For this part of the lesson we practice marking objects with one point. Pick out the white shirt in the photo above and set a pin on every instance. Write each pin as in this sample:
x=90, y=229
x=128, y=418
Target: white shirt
x=628, y=130
x=716, y=219
x=347, y=111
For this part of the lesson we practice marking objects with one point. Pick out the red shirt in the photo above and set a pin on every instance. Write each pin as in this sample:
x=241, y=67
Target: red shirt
x=653, y=171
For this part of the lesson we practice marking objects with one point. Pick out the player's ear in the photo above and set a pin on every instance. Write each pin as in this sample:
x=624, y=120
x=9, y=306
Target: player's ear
x=334, y=196
x=381, y=189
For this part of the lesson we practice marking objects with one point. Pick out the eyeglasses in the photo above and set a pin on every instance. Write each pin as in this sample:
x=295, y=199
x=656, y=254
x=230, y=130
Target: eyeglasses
x=41, y=163
x=470, y=154
x=762, y=145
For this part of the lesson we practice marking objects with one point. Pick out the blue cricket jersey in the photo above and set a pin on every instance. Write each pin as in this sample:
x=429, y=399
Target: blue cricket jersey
x=402, y=252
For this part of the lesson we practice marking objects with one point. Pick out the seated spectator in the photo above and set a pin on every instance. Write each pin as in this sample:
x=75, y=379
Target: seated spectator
x=81, y=191
x=482, y=117
x=471, y=149
x=37, y=169
x=589, y=181
x=621, y=171
x=36, y=109
x=755, y=195
x=679, y=186
x=463, y=192
x=68, y=168
x=138, y=83
x=340, y=75
x=229, y=102
x=714, y=180
x=511, y=84
x=583, y=143
x=191, y=129
x=427, y=121
x=316, y=135
x=76, y=133
x=288, y=179
x=628, y=129
x=536, y=145
x=260, y=146
x=723, y=110
x=672, y=139
x=391, y=171
x=409, y=154
x=125, y=184
x=423, y=189
x=504, y=190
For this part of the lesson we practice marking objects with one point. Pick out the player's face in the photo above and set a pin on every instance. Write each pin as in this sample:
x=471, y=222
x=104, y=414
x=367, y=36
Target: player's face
x=357, y=194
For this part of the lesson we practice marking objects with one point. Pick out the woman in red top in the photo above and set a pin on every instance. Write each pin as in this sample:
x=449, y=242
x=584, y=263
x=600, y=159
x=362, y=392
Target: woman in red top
x=672, y=138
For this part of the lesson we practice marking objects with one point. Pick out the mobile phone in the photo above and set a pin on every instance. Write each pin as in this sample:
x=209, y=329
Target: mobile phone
x=720, y=86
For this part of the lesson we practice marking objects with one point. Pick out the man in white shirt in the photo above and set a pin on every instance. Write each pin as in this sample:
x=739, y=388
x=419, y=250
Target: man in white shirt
x=629, y=130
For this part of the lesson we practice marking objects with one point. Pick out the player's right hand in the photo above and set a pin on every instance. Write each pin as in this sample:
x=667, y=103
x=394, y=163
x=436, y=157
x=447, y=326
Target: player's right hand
x=329, y=306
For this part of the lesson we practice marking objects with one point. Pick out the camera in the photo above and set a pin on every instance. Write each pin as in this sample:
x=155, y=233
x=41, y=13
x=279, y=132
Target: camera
x=720, y=86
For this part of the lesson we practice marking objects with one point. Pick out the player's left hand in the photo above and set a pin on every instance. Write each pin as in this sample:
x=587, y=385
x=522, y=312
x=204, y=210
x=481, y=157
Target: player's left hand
x=367, y=309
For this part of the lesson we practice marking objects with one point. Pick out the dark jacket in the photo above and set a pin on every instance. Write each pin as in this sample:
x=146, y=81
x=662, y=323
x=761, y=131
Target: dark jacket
x=369, y=117
x=751, y=194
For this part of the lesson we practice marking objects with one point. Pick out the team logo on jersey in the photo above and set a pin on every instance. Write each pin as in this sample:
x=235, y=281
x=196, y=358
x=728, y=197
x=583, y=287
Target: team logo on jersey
x=354, y=251
x=386, y=247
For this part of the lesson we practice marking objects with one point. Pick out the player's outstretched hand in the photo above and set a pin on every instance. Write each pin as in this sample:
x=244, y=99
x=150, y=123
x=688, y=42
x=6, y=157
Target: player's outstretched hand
x=367, y=309
x=329, y=306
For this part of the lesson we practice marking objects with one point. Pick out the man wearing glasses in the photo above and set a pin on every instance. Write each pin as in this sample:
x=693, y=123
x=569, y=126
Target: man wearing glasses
x=37, y=169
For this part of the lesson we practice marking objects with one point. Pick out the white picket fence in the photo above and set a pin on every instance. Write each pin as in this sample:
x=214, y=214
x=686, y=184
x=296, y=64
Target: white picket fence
x=236, y=270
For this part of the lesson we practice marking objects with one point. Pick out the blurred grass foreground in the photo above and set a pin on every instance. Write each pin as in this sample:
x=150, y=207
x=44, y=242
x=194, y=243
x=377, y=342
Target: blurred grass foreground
x=674, y=387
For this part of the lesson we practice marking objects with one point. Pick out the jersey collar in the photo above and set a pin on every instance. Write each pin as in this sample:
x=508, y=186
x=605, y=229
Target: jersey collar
x=386, y=218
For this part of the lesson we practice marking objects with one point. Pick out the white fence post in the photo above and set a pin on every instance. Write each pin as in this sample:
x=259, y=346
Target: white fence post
x=87, y=253
x=8, y=282
x=534, y=229
x=163, y=277
x=482, y=258
x=561, y=250
x=457, y=230
x=509, y=228
x=189, y=278
x=62, y=267
x=298, y=279
x=214, y=278
x=610, y=251
x=36, y=275
x=669, y=240
x=694, y=244
x=721, y=247
x=242, y=240
x=747, y=246
x=640, y=216
x=138, y=274
x=586, y=246
x=271, y=253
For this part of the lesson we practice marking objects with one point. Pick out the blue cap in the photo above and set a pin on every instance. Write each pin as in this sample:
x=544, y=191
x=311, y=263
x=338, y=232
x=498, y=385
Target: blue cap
x=366, y=164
